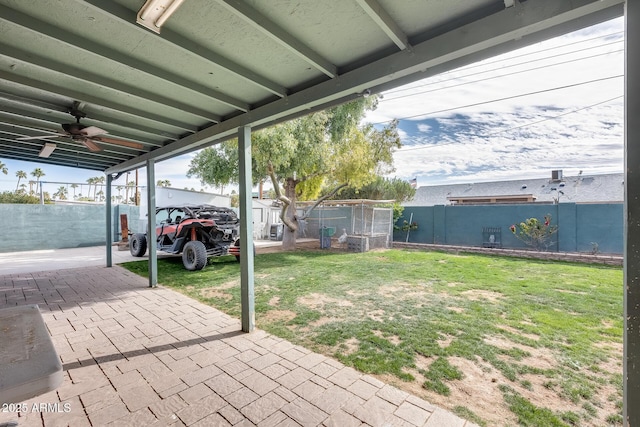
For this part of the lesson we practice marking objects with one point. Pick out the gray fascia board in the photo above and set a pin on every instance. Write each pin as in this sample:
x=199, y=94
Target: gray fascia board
x=507, y=25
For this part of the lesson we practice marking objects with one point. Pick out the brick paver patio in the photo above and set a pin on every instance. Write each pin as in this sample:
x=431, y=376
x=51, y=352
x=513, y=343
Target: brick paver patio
x=136, y=356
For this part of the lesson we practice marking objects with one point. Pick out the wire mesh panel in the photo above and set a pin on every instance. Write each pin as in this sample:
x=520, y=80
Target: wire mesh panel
x=372, y=228
x=492, y=237
x=360, y=220
x=383, y=224
x=359, y=225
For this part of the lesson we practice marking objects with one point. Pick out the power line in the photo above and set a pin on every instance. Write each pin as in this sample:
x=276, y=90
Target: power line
x=492, y=77
x=481, y=64
x=548, y=49
x=516, y=127
x=501, y=99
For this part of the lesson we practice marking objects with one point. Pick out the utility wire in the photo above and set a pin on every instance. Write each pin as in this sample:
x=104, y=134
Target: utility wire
x=501, y=99
x=509, y=58
x=514, y=127
x=482, y=64
x=494, y=77
x=433, y=83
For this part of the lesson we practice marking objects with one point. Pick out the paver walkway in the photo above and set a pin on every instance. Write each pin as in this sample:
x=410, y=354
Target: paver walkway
x=139, y=356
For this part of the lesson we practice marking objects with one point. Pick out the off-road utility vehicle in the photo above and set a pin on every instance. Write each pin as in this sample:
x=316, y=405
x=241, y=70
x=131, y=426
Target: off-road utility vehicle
x=196, y=231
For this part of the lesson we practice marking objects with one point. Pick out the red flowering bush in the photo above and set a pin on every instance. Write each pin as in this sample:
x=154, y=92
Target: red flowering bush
x=535, y=233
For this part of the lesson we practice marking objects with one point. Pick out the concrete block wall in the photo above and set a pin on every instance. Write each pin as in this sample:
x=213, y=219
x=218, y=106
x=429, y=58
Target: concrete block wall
x=581, y=227
x=34, y=227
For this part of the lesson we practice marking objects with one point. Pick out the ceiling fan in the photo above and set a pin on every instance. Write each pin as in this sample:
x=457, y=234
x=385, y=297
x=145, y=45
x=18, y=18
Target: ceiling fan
x=89, y=136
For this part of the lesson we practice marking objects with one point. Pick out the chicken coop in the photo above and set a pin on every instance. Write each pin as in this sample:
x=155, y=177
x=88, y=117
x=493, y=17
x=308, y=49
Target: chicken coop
x=353, y=225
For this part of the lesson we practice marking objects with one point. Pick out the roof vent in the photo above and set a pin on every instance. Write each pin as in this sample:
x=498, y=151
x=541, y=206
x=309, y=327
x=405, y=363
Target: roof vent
x=556, y=175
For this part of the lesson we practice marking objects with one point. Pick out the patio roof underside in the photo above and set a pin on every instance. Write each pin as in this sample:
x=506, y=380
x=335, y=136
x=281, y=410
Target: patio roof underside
x=218, y=65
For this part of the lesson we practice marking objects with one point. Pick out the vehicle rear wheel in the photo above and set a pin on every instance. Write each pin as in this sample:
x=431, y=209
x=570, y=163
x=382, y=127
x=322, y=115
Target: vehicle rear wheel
x=238, y=244
x=138, y=244
x=194, y=255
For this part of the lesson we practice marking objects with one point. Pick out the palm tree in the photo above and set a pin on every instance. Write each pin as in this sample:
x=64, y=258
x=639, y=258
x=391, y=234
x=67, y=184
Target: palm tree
x=37, y=174
x=3, y=168
x=61, y=194
x=130, y=186
x=74, y=186
x=91, y=181
x=20, y=175
x=99, y=180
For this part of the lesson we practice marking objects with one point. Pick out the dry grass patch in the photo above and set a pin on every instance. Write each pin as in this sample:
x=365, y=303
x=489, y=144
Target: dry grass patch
x=319, y=301
x=279, y=316
x=481, y=294
x=215, y=293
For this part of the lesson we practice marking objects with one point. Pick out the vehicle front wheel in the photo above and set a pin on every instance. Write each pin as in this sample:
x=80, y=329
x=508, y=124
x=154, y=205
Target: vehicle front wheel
x=194, y=255
x=138, y=244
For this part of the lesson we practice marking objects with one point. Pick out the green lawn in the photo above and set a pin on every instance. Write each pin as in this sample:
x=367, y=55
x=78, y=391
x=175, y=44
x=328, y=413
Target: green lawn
x=500, y=341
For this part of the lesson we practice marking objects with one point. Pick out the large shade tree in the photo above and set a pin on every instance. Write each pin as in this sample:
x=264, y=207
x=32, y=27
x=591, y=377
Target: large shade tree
x=395, y=189
x=328, y=151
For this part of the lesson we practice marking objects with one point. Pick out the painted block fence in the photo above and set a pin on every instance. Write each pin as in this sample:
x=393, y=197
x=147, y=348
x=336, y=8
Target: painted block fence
x=35, y=227
x=581, y=227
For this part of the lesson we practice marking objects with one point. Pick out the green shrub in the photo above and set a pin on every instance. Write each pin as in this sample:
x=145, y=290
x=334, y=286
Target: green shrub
x=11, y=197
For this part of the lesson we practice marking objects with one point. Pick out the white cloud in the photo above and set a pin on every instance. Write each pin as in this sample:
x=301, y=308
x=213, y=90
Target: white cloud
x=423, y=127
x=470, y=139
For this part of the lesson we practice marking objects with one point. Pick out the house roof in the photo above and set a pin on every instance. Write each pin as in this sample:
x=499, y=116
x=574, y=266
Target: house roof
x=219, y=65
x=569, y=189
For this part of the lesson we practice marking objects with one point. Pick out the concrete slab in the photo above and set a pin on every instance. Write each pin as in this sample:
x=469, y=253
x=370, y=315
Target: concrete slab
x=58, y=259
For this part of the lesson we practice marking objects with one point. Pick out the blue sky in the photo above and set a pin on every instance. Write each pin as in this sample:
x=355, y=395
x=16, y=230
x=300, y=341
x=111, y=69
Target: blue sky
x=553, y=105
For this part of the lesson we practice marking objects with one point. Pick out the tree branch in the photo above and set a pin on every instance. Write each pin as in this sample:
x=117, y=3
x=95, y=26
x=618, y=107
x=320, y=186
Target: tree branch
x=292, y=225
x=320, y=200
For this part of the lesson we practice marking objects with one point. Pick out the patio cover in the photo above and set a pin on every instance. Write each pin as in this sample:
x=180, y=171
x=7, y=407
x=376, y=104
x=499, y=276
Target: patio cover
x=219, y=69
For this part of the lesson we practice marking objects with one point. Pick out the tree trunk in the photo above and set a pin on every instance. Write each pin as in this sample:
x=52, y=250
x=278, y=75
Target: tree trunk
x=289, y=235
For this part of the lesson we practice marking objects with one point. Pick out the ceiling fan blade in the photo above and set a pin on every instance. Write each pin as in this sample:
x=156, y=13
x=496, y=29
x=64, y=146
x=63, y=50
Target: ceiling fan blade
x=28, y=138
x=90, y=144
x=129, y=144
x=91, y=131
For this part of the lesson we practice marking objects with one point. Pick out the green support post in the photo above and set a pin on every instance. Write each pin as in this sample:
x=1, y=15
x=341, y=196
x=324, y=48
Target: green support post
x=631, y=363
x=109, y=221
x=247, y=298
x=151, y=224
